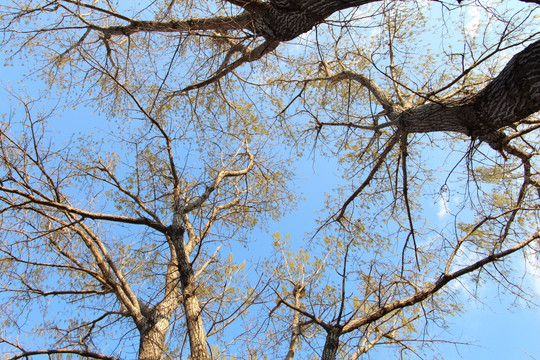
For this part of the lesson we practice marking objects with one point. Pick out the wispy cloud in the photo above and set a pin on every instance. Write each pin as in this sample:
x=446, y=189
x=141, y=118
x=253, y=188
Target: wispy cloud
x=443, y=204
x=532, y=264
x=473, y=24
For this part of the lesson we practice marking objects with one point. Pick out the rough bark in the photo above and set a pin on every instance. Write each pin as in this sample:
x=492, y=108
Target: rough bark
x=285, y=20
x=296, y=326
x=155, y=326
x=332, y=343
x=280, y=20
x=152, y=341
x=512, y=96
x=192, y=309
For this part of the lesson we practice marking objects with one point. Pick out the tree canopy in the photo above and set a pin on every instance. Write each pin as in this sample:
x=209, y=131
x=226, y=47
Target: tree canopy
x=150, y=151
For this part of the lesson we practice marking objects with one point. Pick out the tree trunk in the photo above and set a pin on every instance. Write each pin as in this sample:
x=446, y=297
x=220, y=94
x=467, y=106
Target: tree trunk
x=196, y=332
x=284, y=20
x=512, y=96
x=298, y=292
x=332, y=344
x=157, y=319
x=152, y=342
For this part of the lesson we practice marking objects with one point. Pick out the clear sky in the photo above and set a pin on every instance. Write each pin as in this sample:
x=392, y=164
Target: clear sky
x=499, y=327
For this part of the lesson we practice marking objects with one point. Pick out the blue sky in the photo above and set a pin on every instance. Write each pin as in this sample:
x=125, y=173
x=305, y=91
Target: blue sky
x=500, y=328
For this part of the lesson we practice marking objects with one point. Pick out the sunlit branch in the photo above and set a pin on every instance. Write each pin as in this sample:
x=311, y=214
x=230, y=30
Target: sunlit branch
x=33, y=290
x=241, y=309
x=79, y=267
x=369, y=344
x=222, y=174
x=93, y=7
x=392, y=30
x=86, y=214
x=212, y=259
x=296, y=326
x=522, y=132
x=220, y=23
x=75, y=44
x=526, y=162
x=369, y=84
x=106, y=264
x=194, y=240
x=470, y=233
x=497, y=49
x=314, y=318
x=116, y=183
x=432, y=288
x=357, y=126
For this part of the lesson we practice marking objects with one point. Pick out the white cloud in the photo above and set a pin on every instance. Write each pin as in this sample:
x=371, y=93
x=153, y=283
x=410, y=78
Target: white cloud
x=442, y=205
x=533, y=267
x=472, y=26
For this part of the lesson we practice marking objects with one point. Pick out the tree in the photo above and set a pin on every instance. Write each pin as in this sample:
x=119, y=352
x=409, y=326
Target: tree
x=117, y=237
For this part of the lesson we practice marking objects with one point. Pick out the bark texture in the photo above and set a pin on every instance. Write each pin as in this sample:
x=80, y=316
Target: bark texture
x=276, y=20
x=298, y=293
x=192, y=309
x=332, y=343
x=285, y=20
x=152, y=340
x=153, y=329
x=512, y=96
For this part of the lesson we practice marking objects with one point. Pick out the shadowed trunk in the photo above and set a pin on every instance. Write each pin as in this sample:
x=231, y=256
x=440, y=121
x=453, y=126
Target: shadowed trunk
x=284, y=20
x=332, y=344
x=192, y=309
x=512, y=96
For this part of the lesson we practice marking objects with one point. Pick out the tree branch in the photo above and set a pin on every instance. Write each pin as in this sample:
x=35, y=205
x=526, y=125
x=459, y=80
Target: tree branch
x=369, y=84
x=85, y=353
x=432, y=288
x=86, y=214
x=217, y=23
x=512, y=96
x=248, y=56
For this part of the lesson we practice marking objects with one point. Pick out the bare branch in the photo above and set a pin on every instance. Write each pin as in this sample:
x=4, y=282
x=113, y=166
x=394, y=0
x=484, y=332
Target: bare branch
x=85, y=353
x=369, y=84
x=432, y=288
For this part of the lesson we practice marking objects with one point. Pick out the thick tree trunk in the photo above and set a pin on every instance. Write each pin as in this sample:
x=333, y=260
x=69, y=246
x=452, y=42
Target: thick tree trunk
x=280, y=20
x=512, y=96
x=332, y=344
x=284, y=20
x=157, y=319
x=197, y=334
x=152, y=341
